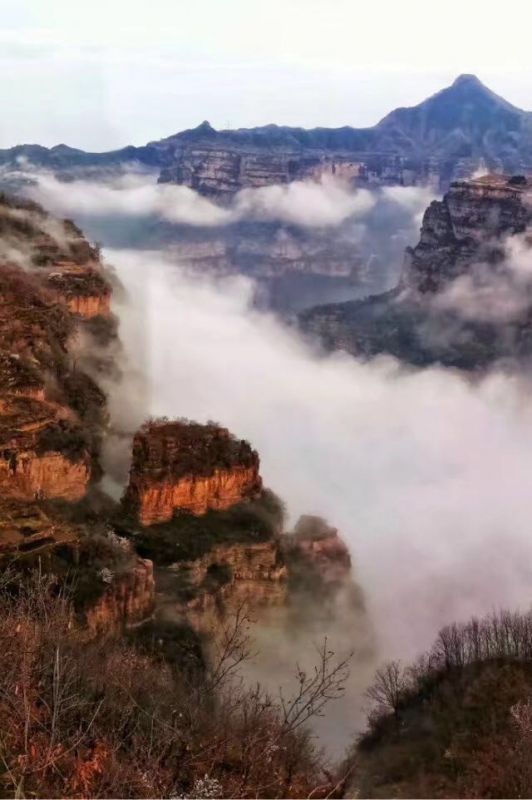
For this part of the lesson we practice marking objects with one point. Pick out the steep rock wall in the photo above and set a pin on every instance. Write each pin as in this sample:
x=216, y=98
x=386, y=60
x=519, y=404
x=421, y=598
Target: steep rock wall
x=28, y=476
x=222, y=171
x=250, y=578
x=52, y=413
x=157, y=501
x=466, y=226
x=465, y=238
x=128, y=600
x=180, y=466
x=89, y=307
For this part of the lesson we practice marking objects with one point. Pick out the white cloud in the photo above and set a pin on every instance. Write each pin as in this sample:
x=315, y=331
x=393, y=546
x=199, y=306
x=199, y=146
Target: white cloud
x=307, y=204
x=427, y=474
x=492, y=293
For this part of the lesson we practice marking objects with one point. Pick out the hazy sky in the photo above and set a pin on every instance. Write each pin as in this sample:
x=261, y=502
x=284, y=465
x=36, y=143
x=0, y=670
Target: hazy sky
x=109, y=72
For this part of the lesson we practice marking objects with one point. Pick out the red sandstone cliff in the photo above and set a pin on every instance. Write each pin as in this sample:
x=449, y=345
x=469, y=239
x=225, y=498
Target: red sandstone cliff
x=182, y=466
x=52, y=414
x=128, y=600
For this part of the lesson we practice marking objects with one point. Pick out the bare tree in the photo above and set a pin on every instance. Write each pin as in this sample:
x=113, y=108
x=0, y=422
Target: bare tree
x=388, y=687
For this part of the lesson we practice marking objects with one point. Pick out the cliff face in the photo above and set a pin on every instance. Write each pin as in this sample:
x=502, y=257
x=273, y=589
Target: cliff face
x=179, y=466
x=219, y=560
x=206, y=521
x=221, y=171
x=83, y=289
x=51, y=412
x=224, y=488
x=466, y=226
x=266, y=250
x=27, y=476
x=227, y=580
x=128, y=600
x=462, y=300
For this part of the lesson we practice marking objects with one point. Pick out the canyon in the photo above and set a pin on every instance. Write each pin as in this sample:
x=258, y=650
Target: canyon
x=294, y=265
x=195, y=537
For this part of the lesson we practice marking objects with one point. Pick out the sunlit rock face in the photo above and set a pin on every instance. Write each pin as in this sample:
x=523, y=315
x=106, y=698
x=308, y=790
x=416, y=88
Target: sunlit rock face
x=196, y=505
x=28, y=476
x=180, y=466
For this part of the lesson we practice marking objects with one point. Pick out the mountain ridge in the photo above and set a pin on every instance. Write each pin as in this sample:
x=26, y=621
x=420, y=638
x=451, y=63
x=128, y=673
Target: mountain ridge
x=443, y=138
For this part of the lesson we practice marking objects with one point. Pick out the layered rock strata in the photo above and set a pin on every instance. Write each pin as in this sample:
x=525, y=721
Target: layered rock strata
x=227, y=580
x=52, y=413
x=188, y=467
x=464, y=298
x=128, y=600
x=53, y=416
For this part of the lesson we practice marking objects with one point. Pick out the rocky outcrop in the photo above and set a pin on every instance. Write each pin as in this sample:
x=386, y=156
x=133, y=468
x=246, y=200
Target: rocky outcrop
x=468, y=225
x=227, y=580
x=84, y=290
x=128, y=600
x=462, y=299
x=182, y=466
x=320, y=551
x=52, y=414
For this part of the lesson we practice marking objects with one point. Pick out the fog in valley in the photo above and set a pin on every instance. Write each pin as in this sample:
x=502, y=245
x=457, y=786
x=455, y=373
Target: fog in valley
x=416, y=468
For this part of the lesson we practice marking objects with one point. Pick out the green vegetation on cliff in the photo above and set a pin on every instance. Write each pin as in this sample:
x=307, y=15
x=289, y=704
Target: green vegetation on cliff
x=187, y=536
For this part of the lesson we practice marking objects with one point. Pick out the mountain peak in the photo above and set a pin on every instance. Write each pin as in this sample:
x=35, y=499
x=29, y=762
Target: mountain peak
x=467, y=79
x=454, y=121
x=205, y=127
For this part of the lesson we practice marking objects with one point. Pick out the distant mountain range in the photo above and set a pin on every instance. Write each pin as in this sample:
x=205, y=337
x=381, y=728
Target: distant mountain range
x=447, y=136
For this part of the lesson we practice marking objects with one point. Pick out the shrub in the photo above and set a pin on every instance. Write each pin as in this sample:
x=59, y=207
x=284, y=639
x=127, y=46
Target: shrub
x=454, y=723
x=187, y=537
x=65, y=438
x=178, y=448
x=110, y=719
